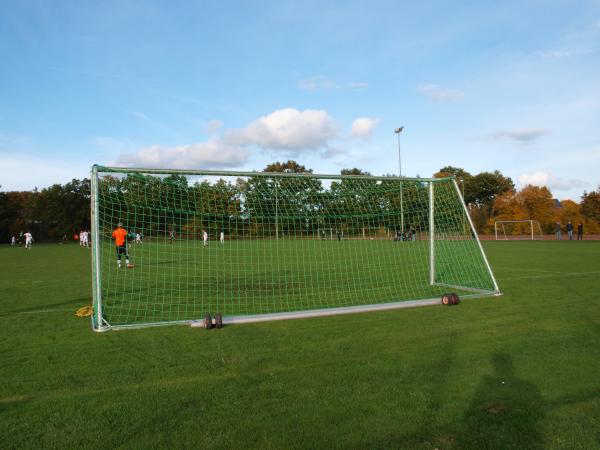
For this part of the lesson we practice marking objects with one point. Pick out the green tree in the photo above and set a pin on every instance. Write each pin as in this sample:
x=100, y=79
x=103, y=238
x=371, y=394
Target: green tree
x=480, y=191
x=14, y=207
x=59, y=209
x=282, y=206
x=483, y=188
x=290, y=166
x=463, y=178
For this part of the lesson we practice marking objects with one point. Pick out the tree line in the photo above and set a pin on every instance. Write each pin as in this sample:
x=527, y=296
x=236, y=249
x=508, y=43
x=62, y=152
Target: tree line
x=48, y=214
x=59, y=210
x=490, y=197
x=260, y=206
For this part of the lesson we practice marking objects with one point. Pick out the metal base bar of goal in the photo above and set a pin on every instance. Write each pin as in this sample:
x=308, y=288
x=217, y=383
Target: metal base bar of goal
x=229, y=320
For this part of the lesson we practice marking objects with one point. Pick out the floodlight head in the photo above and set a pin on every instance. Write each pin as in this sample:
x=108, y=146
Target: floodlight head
x=398, y=130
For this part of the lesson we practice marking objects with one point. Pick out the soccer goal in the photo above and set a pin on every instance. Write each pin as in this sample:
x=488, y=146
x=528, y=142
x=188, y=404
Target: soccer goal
x=270, y=263
x=518, y=230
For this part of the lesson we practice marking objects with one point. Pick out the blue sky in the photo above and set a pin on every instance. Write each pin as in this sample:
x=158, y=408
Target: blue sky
x=513, y=86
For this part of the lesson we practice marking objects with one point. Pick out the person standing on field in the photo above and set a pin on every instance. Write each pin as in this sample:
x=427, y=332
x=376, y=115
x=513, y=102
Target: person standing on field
x=580, y=231
x=558, y=231
x=222, y=237
x=84, y=239
x=205, y=237
x=13, y=240
x=120, y=237
x=28, y=240
x=570, y=230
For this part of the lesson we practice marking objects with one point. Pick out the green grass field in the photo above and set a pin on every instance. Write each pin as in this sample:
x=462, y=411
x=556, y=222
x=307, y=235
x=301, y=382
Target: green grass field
x=519, y=371
x=185, y=280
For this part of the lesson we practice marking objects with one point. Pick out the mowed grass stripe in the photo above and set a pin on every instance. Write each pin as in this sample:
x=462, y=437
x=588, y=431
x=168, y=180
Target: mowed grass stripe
x=518, y=371
x=182, y=281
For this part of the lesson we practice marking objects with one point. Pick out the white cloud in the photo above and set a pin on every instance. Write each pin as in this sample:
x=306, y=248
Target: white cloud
x=550, y=181
x=523, y=134
x=287, y=129
x=563, y=53
x=363, y=127
x=212, y=154
x=440, y=94
x=212, y=126
x=358, y=85
x=319, y=83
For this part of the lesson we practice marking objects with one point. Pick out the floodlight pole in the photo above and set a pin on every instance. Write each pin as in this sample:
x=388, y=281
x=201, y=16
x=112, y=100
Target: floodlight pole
x=398, y=131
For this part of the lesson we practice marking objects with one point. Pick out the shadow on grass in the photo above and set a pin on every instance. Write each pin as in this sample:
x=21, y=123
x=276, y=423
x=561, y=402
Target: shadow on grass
x=75, y=303
x=505, y=412
x=428, y=434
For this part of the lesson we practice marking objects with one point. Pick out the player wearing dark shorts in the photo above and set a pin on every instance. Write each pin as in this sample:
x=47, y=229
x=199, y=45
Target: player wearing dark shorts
x=120, y=237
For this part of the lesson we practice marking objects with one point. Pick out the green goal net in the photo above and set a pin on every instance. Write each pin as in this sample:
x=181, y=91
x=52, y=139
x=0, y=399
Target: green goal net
x=259, y=246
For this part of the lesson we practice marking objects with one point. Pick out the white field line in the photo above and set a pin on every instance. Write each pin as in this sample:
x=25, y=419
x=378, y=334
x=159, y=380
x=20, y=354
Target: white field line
x=36, y=311
x=520, y=269
x=27, y=282
x=553, y=275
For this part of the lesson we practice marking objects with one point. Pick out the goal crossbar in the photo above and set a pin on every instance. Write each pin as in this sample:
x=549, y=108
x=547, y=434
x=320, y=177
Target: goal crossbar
x=109, y=169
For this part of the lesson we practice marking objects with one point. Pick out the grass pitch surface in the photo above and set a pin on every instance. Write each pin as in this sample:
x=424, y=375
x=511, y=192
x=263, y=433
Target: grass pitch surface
x=185, y=280
x=518, y=371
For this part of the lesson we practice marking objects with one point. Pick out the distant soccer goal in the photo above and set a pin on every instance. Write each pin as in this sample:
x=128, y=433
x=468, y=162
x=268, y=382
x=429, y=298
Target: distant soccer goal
x=265, y=246
x=518, y=230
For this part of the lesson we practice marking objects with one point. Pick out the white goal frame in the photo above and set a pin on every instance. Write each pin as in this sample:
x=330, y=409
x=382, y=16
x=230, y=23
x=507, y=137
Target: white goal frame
x=100, y=322
x=535, y=230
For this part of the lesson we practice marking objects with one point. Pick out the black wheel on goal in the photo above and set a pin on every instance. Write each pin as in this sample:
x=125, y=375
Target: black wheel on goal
x=455, y=299
x=218, y=320
x=207, y=322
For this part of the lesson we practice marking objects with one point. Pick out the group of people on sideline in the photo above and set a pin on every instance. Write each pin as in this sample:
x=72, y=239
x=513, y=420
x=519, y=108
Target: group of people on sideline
x=84, y=237
x=25, y=239
x=558, y=231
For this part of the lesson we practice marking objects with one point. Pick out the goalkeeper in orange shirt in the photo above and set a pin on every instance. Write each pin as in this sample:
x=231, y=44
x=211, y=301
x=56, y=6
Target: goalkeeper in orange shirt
x=120, y=237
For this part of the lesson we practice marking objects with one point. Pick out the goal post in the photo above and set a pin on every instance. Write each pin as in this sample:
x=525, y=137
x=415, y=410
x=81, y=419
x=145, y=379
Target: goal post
x=528, y=229
x=268, y=246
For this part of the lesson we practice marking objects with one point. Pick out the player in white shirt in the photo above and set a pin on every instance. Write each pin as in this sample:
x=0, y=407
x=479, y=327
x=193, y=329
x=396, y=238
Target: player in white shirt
x=205, y=237
x=84, y=239
x=138, y=238
x=222, y=237
x=28, y=240
x=13, y=241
